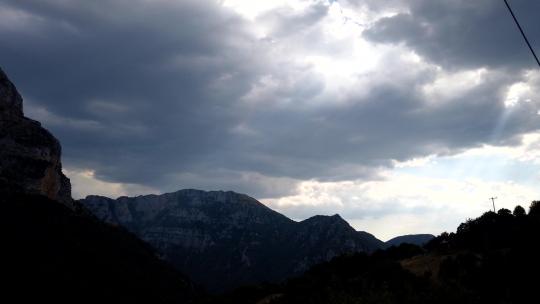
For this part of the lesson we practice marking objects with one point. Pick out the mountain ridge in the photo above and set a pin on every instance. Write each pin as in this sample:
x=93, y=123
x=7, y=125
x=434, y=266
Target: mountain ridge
x=415, y=239
x=237, y=238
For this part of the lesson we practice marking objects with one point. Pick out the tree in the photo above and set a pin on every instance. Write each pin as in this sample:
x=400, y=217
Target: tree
x=519, y=211
x=504, y=212
x=534, y=209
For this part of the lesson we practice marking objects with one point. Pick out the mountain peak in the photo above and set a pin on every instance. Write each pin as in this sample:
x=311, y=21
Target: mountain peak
x=328, y=223
x=10, y=99
x=326, y=219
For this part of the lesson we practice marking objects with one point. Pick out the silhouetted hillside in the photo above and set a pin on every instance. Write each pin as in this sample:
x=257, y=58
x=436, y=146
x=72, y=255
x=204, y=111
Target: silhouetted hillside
x=493, y=231
x=491, y=259
x=56, y=254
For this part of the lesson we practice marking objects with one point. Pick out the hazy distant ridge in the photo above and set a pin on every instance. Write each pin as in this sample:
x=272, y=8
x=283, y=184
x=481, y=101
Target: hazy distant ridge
x=415, y=239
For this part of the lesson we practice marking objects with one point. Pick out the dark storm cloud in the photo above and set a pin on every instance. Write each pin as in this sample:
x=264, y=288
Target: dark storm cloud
x=145, y=74
x=391, y=123
x=463, y=33
x=174, y=94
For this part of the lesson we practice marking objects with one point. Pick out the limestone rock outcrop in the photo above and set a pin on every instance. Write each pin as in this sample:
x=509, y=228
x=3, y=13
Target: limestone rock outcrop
x=29, y=154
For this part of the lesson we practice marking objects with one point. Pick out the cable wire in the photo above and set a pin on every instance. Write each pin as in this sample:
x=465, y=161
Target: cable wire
x=522, y=32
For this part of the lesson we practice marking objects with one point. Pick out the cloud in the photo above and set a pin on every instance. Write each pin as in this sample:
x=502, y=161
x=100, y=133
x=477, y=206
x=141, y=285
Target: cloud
x=404, y=203
x=215, y=95
x=84, y=183
x=460, y=34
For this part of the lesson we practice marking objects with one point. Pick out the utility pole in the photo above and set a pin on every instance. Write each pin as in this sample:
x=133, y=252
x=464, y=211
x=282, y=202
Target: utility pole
x=493, y=201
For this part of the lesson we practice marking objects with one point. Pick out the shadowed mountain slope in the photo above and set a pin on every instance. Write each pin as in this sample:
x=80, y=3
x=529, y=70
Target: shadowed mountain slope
x=224, y=240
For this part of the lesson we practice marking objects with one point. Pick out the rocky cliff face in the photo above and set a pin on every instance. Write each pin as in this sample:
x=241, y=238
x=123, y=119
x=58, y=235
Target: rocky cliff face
x=29, y=154
x=224, y=239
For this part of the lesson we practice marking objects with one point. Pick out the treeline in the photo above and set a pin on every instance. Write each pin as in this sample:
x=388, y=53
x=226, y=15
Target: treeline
x=504, y=229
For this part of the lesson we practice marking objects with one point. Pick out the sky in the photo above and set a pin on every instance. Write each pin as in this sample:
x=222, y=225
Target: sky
x=402, y=116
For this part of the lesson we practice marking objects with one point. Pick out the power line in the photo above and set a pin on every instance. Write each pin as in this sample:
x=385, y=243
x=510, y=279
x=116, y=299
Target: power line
x=522, y=32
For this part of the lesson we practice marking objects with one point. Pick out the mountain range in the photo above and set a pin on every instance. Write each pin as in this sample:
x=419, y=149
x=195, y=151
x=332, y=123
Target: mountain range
x=141, y=248
x=224, y=240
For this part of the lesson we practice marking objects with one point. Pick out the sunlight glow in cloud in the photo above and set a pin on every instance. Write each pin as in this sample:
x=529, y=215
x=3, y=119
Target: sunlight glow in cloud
x=84, y=183
x=413, y=199
x=428, y=195
x=448, y=86
x=253, y=9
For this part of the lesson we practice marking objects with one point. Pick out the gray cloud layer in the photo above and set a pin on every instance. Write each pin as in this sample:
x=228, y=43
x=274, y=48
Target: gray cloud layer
x=183, y=94
x=462, y=33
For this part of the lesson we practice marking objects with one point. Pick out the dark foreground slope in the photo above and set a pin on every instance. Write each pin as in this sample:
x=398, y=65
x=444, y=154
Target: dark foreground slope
x=223, y=240
x=492, y=259
x=53, y=249
x=57, y=255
